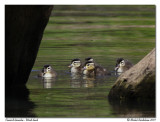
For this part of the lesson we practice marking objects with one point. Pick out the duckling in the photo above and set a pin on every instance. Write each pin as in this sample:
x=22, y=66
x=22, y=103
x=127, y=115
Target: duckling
x=89, y=59
x=102, y=71
x=76, y=67
x=47, y=72
x=123, y=66
x=98, y=67
x=91, y=70
x=118, y=61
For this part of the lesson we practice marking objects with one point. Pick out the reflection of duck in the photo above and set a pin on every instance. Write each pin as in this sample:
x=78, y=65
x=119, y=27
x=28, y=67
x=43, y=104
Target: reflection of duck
x=47, y=71
x=91, y=70
x=122, y=65
x=88, y=82
x=76, y=67
x=48, y=82
x=76, y=81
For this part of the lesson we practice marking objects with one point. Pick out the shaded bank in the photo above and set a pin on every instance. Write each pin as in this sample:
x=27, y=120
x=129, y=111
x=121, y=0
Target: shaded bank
x=138, y=83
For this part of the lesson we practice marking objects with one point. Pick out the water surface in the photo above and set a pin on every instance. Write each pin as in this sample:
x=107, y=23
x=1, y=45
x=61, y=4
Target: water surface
x=104, y=33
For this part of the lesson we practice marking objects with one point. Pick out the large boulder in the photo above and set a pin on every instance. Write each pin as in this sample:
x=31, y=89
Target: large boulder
x=137, y=83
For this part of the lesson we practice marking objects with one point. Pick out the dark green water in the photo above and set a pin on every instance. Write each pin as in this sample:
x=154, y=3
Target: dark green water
x=102, y=32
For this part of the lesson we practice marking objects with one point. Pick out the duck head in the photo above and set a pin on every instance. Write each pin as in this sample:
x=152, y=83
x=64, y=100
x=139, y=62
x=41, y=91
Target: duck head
x=75, y=63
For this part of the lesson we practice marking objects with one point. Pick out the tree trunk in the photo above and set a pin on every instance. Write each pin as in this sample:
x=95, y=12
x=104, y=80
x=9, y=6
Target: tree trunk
x=137, y=83
x=24, y=26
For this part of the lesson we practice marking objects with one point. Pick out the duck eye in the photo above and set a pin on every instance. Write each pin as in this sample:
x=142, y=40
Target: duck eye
x=123, y=62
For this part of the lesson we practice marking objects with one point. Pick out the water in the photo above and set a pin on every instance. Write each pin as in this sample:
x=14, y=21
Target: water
x=81, y=97
x=102, y=32
x=67, y=97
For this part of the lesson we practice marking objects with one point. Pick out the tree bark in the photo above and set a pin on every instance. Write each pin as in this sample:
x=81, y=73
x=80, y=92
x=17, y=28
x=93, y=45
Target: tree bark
x=137, y=83
x=24, y=26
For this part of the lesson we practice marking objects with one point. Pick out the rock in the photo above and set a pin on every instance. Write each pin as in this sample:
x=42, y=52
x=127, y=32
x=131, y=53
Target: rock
x=137, y=83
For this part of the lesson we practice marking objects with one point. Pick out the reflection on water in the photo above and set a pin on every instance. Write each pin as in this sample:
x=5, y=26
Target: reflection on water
x=118, y=73
x=133, y=109
x=89, y=82
x=48, y=82
x=78, y=81
x=69, y=96
x=80, y=96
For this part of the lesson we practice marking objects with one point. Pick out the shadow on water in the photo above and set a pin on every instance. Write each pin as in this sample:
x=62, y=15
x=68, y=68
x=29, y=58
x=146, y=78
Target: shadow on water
x=17, y=103
x=133, y=108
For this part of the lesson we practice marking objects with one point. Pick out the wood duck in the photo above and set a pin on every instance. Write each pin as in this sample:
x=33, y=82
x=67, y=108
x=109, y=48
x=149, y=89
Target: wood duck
x=122, y=65
x=117, y=62
x=47, y=72
x=91, y=70
x=89, y=59
x=76, y=67
x=98, y=67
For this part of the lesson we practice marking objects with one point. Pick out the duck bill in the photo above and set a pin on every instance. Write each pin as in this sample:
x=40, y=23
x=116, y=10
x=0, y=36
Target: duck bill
x=70, y=66
x=45, y=71
x=116, y=68
x=84, y=68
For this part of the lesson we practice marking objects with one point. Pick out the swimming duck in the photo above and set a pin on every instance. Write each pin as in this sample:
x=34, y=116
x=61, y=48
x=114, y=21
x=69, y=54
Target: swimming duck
x=76, y=67
x=98, y=67
x=123, y=65
x=89, y=59
x=91, y=70
x=118, y=61
x=47, y=72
